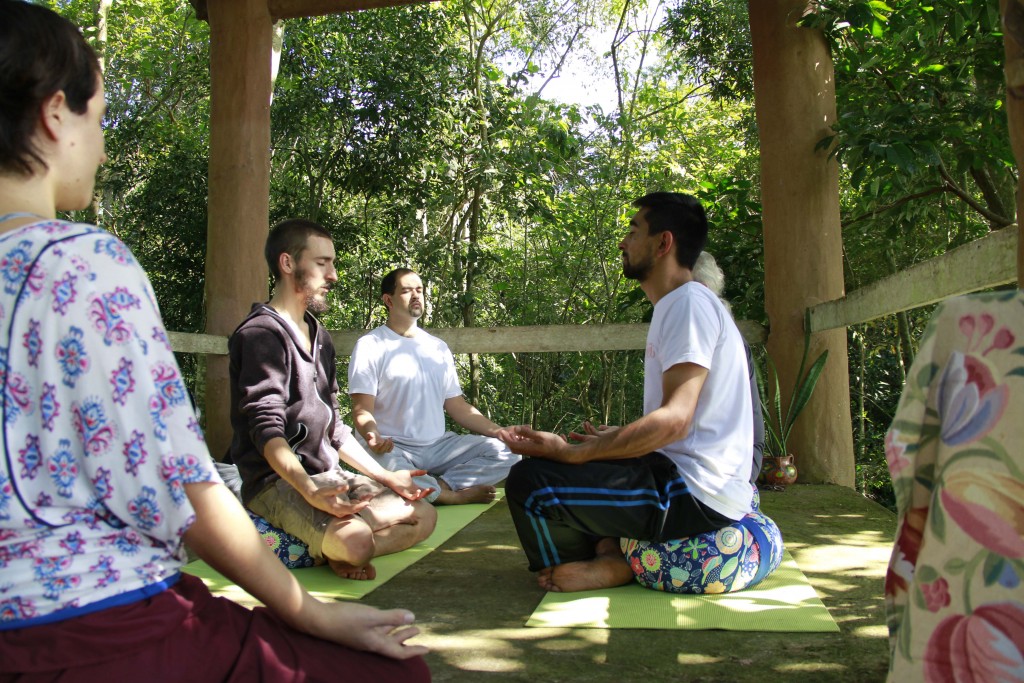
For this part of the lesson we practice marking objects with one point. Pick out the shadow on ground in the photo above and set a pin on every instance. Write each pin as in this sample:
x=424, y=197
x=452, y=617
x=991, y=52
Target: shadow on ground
x=473, y=596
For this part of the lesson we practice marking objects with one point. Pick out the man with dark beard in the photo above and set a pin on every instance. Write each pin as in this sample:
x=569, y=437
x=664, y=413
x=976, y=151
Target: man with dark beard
x=288, y=437
x=402, y=381
x=681, y=469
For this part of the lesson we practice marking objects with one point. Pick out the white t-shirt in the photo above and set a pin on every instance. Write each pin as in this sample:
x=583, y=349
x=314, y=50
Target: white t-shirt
x=410, y=378
x=690, y=325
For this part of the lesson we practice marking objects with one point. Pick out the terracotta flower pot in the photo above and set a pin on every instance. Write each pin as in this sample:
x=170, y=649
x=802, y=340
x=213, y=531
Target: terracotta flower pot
x=778, y=470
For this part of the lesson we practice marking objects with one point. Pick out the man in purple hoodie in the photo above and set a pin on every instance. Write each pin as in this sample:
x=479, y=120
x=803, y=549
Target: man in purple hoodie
x=288, y=438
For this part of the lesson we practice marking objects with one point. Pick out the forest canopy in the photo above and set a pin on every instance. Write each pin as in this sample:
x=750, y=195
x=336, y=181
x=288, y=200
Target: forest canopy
x=432, y=136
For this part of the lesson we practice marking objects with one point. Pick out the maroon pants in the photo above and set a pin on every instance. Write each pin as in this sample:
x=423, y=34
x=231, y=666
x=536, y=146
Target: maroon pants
x=187, y=634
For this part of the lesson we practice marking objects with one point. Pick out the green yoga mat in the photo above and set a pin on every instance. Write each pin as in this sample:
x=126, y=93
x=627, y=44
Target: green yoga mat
x=325, y=584
x=785, y=601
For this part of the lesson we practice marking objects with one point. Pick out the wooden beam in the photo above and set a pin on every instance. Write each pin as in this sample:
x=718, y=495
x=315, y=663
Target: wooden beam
x=520, y=339
x=202, y=344
x=543, y=338
x=986, y=262
x=291, y=9
x=239, y=185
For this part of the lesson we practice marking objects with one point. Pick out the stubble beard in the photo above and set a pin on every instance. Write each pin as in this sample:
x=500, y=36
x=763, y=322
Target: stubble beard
x=316, y=305
x=416, y=312
x=638, y=271
x=315, y=302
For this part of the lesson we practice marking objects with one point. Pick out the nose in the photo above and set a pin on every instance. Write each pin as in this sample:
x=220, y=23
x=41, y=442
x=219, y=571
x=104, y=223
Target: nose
x=332, y=275
x=622, y=245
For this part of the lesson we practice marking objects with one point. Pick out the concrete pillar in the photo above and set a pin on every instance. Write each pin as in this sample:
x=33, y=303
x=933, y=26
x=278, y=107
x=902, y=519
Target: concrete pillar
x=795, y=101
x=239, y=185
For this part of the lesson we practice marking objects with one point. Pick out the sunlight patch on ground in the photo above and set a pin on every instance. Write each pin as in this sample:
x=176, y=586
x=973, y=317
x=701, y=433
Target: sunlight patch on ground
x=864, y=539
x=695, y=659
x=497, y=649
x=829, y=585
x=809, y=667
x=867, y=559
x=476, y=549
x=871, y=631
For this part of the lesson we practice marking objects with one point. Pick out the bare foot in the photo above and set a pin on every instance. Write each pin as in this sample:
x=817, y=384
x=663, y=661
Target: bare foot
x=608, y=569
x=474, y=494
x=544, y=579
x=349, y=571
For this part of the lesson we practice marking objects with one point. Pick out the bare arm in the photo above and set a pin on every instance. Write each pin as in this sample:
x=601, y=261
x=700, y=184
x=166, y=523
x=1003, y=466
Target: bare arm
x=287, y=466
x=224, y=536
x=366, y=424
x=681, y=385
x=465, y=414
x=400, y=482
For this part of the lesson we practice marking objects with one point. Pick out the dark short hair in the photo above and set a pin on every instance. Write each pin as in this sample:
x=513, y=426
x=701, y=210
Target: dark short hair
x=683, y=216
x=290, y=237
x=390, y=281
x=41, y=53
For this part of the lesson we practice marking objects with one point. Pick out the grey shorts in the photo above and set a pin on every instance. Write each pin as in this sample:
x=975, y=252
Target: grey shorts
x=284, y=507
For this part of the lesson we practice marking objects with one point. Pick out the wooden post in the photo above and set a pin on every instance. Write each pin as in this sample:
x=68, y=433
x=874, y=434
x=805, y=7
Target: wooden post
x=1012, y=12
x=239, y=185
x=795, y=100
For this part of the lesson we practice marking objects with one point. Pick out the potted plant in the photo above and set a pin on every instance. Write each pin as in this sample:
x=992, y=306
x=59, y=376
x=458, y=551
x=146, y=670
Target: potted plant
x=778, y=467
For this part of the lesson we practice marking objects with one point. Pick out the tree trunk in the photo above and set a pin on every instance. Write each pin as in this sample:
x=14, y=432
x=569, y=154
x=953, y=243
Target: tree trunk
x=858, y=338
x=1012, y=12
x=906, y=338
x=102, y=12
x=239, y=185
x=795, y=104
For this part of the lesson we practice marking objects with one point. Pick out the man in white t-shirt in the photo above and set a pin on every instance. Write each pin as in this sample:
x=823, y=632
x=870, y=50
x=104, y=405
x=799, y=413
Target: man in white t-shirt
x=402, y=381
x=681, y=469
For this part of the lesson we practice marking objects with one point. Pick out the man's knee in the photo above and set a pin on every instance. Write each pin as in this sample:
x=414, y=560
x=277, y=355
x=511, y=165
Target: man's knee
x=424, y=517
x=355, y=536
x=390, y=509
x=522, y=479
x=495, y=449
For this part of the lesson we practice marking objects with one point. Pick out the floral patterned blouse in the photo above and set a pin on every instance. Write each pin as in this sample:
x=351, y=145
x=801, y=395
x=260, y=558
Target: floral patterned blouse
x=954, y=599
x=99, y=435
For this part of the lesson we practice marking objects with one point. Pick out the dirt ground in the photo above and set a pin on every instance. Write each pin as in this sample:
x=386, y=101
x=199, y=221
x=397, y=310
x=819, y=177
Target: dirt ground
x=473, y=596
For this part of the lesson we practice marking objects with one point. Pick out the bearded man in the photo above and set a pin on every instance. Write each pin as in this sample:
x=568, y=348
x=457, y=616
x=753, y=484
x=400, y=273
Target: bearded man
x=403, y=382
x=681, y=469
x=288, y=440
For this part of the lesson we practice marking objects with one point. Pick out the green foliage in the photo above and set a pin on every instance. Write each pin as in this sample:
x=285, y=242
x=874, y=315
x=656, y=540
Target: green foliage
x=425, y=135
x=778, y=423
x=712, y=37
x=922, y=130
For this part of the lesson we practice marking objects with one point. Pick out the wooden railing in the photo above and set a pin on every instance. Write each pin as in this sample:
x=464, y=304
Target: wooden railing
x=516, y=339
x=983, y=263
x=990, y=261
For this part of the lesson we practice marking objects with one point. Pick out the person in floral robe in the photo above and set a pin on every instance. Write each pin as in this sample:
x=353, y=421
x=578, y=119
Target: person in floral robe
x=954, y=600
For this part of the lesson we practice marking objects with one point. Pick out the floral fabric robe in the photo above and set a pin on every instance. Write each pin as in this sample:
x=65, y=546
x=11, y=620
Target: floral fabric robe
x=954, y=599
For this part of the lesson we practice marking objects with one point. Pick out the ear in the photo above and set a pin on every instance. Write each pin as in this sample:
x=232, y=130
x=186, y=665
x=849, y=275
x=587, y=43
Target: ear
x=53, y=113
x=285, y=264
x=387, y=300
x=666, y=241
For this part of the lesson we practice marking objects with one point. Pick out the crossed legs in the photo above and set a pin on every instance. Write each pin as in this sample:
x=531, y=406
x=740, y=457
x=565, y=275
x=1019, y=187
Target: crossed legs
x=570, y=518
x=389, y=524
x=463, y=468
